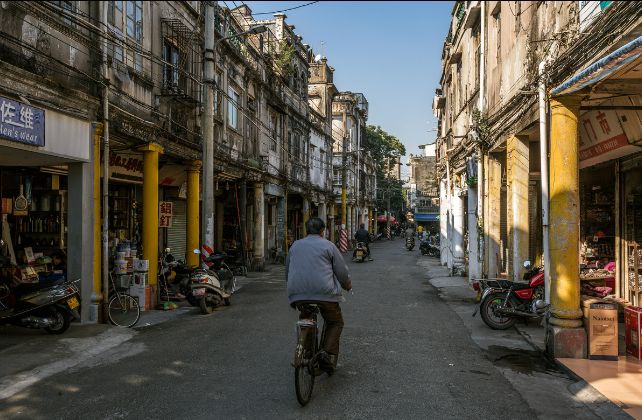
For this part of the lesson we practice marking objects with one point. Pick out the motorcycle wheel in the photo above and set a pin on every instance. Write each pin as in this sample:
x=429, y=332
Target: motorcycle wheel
x=487, y=309
x=192, y=300
x=62, y=321
x=206, y=308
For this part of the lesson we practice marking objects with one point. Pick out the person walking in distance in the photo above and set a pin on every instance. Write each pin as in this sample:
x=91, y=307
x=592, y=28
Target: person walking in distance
x=315, y=273
x=362, y=235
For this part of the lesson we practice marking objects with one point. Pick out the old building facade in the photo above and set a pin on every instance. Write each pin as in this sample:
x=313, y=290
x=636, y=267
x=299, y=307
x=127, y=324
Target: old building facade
x=102, y=113
x=530, y=137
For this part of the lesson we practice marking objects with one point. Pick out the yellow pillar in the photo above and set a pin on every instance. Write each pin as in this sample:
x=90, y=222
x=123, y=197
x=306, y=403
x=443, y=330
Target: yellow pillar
x=564, y=213
x=193, y=223
x=517, y=173
x=151, y=152
x=98, y=132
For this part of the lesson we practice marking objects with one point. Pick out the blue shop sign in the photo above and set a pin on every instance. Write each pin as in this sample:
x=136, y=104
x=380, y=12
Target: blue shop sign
x=22, y=123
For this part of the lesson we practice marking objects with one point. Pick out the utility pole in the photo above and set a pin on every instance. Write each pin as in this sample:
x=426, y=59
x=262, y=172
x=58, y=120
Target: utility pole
x=207, y=126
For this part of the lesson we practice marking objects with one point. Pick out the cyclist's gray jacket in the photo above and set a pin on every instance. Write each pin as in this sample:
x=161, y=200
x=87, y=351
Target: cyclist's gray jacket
x=315, y=270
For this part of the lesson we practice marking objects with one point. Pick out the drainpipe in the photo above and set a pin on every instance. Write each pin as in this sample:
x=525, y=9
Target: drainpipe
x=543, y=156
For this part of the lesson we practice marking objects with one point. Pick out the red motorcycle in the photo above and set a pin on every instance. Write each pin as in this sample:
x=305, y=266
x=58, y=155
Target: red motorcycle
x=503, y=301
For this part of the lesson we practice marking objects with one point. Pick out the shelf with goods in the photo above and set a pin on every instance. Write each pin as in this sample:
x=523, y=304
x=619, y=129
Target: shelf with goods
x=633, y=235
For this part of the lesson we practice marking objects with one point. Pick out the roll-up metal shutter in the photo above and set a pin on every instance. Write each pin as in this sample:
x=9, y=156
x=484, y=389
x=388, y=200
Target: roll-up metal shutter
x=176, y=235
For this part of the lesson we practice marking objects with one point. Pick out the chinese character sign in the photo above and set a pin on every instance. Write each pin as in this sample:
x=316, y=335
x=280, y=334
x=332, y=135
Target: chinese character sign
x=22, y=123
x=601, y=134
x=165, y=211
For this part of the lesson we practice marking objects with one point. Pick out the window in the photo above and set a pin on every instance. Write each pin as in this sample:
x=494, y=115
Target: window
x=171, y=67
x=218, y=97
x=304, y=85
x=337, y=176
x=128, y=27
x=322, y=162
x=232, y=108
x=68, y=8
x=274, y=124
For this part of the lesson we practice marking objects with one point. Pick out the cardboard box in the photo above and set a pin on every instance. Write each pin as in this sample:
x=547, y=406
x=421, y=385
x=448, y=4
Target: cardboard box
x=144, y=295
x=632, y=330
x=600, y=320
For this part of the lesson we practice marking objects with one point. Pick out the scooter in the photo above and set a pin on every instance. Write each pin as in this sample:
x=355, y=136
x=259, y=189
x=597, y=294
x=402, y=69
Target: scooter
x=360, y=252
x=50, y=305
x=410, y=243
x=503, y=301
x=175, y=279
x=214, y=286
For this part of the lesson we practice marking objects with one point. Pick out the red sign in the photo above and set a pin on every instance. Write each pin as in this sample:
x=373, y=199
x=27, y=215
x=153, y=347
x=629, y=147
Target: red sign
x=165, y=213
x=601, y=138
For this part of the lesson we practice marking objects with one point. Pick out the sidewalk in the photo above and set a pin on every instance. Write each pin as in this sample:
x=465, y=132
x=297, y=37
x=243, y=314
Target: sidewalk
x=519, y=354
x=30, y=355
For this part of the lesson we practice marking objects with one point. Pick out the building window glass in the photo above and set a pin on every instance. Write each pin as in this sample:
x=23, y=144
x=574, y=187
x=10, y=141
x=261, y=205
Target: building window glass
x=68, y=8
x=232, y=108
x=171, y=73
x=129, y=25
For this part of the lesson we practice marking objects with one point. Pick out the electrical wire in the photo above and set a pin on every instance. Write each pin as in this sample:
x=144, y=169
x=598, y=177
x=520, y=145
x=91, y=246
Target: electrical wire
x=285, y=10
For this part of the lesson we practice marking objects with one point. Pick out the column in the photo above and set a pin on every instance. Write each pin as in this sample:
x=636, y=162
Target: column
x=193, y=192
x=80, y=232
x=457, y=230
x=349, y=224
x=474, y=269
x=323, y=215
x=370, y=221
x=330, y=226
x=151, y=153
x=565, y=335
x=517, y=178
x=280, y=224
x=492, y=225
x=306, y=214
x=218, y=216
x=443, y=222
x=259, y=226
x=97, y=272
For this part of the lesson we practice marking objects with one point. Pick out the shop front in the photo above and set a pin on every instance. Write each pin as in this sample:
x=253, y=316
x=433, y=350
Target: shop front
x=45, y=182
x=594, y=200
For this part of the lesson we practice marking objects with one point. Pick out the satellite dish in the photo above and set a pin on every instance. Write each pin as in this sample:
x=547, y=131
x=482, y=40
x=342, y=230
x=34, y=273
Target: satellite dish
x=317, y=58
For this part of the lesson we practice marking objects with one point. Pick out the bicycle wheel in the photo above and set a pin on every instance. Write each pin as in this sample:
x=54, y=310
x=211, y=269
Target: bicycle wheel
x=303, y=375
x=123, y=310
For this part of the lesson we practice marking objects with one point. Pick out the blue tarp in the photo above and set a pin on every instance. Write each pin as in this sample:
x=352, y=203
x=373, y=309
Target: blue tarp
x=427, y=217
x=601, y=68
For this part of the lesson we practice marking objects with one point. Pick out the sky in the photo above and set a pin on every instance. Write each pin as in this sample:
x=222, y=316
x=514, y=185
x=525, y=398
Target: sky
x=388, y=50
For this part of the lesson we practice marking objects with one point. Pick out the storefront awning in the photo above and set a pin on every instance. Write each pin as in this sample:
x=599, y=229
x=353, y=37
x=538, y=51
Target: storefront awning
x=382, y=218
x=426, y=217
x=601, y=69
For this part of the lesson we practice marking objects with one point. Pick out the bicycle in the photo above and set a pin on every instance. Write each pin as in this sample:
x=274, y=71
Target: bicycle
x=306, y=356
x=123, y=309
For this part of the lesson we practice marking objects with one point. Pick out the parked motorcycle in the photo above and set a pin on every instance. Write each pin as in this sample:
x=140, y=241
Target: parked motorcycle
x=214, y=285
x=50, y=305
x=360, y=252
x=503, y=301
x=430, y=246
x=410, y=243
x=175, y=279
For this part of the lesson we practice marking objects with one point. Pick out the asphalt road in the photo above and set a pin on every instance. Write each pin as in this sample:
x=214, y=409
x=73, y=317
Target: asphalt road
x=405, y=354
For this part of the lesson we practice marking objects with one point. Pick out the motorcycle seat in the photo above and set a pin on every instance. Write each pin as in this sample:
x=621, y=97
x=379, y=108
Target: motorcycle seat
x=25, y=288
x=216, y=257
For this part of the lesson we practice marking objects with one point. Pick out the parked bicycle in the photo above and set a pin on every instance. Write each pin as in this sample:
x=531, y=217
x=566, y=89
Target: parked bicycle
x=123, y=309
x=306, y=356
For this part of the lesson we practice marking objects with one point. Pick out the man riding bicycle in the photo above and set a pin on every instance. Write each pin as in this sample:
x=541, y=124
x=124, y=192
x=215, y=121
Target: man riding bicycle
x=315, y=273
x=362, y=235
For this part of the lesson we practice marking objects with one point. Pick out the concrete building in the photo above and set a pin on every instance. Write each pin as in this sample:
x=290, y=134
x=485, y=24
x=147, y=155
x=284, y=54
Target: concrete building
x=423, y=199
x=506, y=67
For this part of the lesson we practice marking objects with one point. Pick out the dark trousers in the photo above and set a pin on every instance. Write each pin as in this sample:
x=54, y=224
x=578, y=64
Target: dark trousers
x=331, y=313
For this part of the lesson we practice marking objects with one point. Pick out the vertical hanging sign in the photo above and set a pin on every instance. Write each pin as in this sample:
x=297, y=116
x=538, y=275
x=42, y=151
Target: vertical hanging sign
x=165, y=212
